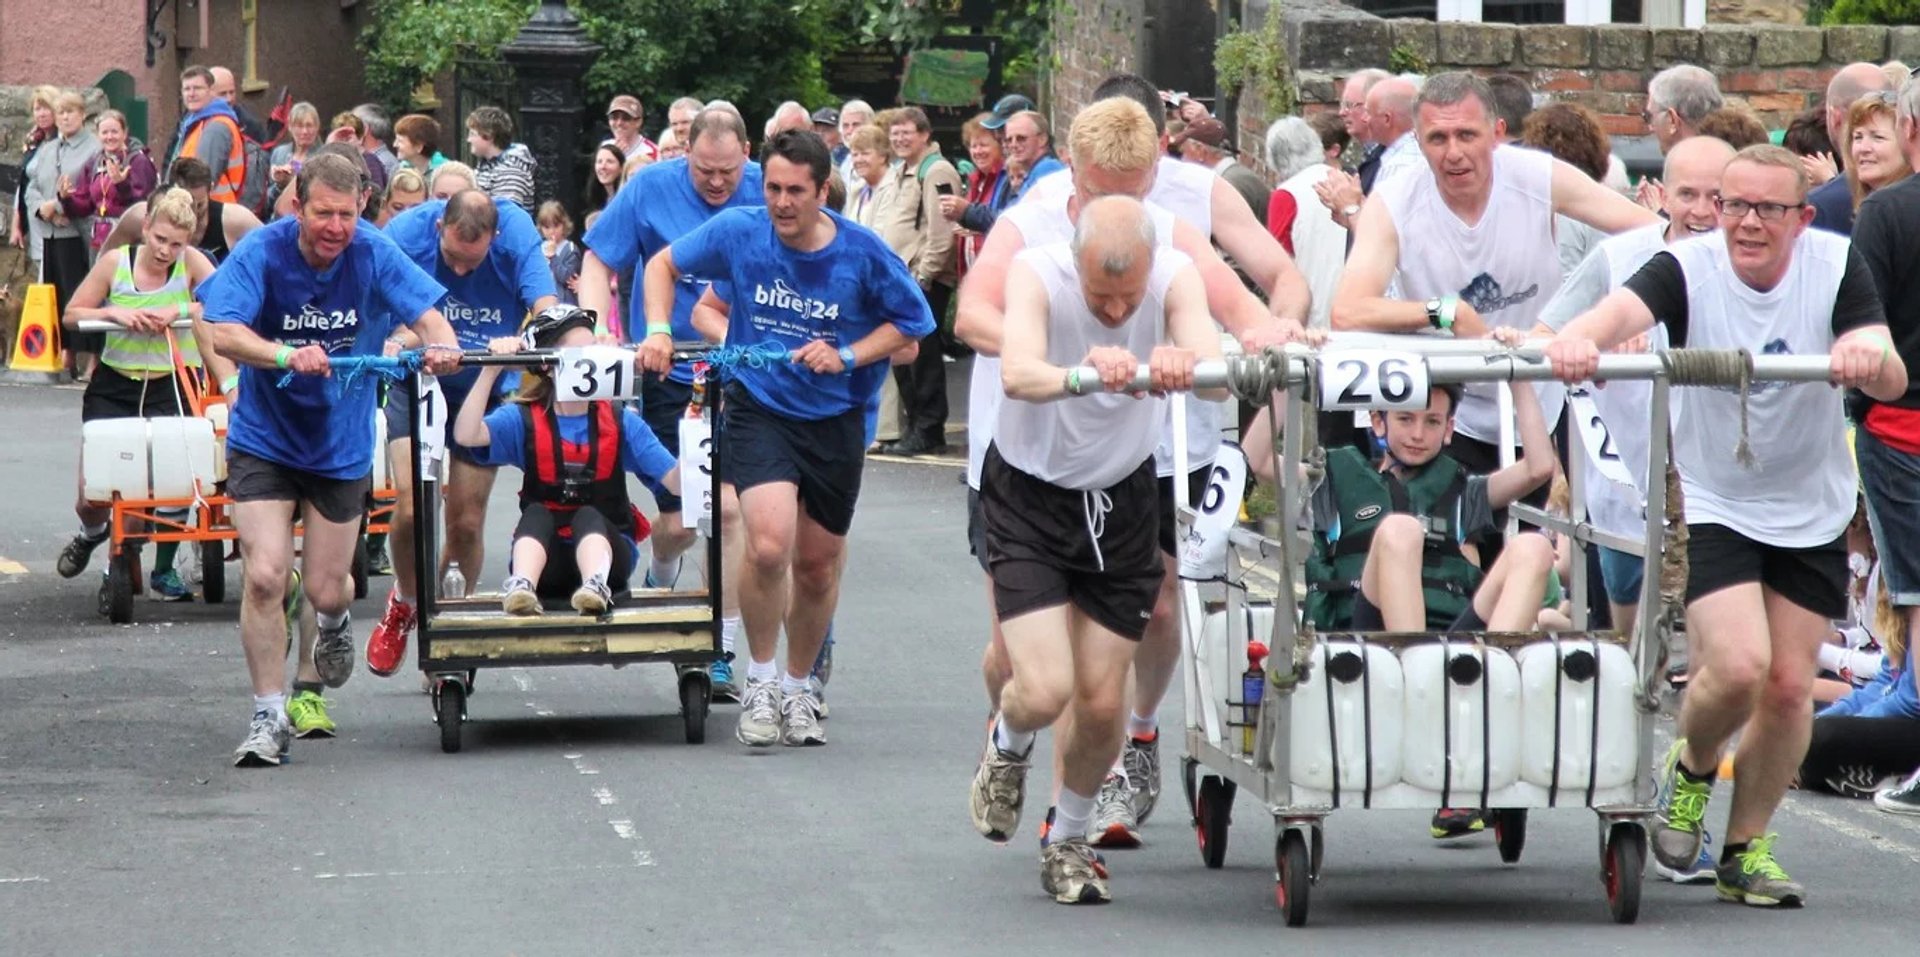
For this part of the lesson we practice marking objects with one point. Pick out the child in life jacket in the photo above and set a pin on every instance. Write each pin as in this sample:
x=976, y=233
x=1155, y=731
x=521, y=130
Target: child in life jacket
x=578, y=533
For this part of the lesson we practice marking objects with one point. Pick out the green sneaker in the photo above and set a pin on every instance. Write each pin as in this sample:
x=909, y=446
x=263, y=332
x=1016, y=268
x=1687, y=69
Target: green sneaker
x=1679, y=833
x=1754, y=878
x=307, y=711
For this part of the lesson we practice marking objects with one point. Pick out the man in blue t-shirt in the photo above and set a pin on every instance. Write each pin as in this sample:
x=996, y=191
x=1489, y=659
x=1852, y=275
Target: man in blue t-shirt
x=487, y=254
x=838, y=302
x=662, y=203
x=292, y=296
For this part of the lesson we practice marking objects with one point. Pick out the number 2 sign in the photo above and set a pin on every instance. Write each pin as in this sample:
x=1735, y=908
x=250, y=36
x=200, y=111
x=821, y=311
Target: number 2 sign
x=1372, y=379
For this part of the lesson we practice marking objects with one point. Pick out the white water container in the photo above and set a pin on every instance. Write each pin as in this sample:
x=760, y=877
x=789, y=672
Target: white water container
x=1590, y=685
x=1462, y=719
x=382, y=469
x=1366, y=706
x=113, y=459
x=1224, y=660
x=219, y=414
x=182, y=450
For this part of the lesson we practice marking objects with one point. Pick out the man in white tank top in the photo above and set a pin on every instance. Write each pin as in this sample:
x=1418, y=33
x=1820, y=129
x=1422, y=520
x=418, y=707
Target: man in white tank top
x=1767, y=547
x=1069, y=499
x=1467, y=244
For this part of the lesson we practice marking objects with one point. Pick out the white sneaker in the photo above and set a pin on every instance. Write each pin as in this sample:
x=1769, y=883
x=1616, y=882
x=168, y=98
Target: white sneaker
x=759, y=714
x=800, y=717
x=268, y=740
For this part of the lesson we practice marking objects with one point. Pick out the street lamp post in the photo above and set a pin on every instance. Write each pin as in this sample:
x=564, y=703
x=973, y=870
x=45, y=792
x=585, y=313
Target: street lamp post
x=550, y=56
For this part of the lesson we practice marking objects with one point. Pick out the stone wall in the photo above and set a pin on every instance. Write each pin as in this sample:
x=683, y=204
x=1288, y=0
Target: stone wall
x=1094, y=39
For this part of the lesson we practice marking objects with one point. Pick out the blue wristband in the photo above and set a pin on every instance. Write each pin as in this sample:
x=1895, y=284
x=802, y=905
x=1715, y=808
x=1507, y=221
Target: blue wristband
x=846, y=359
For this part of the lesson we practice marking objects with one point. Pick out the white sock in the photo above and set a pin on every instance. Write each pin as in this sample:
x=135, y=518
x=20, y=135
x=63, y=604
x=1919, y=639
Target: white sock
x=1142, y=728
x=729, y=631
x=330, y=622
x=789, y=685
x=273, y=704
x=600, y=569
x=95, y=531
x=400, y=596
x=762, y=670
x=1011, y=741
x=665, y=571
x=1071, y=816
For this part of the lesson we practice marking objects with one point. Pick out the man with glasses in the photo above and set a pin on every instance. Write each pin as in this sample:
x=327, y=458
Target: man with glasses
x=623, y=118
x=1767, y=513
x=1832, y=201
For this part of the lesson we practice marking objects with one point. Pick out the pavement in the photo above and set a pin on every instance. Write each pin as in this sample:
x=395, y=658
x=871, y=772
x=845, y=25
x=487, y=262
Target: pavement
x=577, y=821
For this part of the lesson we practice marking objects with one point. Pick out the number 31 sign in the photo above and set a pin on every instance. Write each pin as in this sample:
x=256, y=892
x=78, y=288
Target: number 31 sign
x=596, y=372
x=1372, y=379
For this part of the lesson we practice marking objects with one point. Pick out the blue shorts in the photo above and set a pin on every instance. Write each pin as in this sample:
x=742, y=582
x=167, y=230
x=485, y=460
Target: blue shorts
x=399, y=412
x=1891, y=480
x=1622, y=574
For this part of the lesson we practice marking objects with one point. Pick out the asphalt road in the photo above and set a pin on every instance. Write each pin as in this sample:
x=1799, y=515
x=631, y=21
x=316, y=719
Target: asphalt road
x=577, y=821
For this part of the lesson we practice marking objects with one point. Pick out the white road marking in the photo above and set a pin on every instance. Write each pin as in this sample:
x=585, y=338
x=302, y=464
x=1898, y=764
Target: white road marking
x=605, y=797
x=36, y=879
x=10, y=567
x=641, y=856
x=479, y=872
x=1865, y=835
x=521, y=681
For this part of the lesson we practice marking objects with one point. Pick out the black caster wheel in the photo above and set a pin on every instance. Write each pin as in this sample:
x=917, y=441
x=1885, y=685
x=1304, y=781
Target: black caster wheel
x=1189, y=782
x=1292, y=877
x=695, y=695
x=213, y=572
x=116, y=593
x=1213, y=812
x=450, y=711
x=1510, y=833
x=360, y=564
x=1621, y=867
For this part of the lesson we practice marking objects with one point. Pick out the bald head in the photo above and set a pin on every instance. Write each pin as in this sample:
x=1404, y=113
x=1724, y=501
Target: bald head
x=223, y=83
x=1113, y=244
x=1390, y=109
x=1854, y=81
x=1697, y=152
x=1692, y=180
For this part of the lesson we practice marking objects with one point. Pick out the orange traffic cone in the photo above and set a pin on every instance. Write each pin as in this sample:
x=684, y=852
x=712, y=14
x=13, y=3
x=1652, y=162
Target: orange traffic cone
x=36, y=347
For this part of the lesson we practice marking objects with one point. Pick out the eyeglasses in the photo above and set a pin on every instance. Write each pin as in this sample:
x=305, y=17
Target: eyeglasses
x=1737, y=209
x=1018, y=140
x=620, y=116
x=1353, y=104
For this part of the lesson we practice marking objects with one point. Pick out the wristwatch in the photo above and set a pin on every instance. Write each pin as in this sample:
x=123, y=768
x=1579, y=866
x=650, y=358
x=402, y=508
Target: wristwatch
x=1433, y=312
x=1440, y=312
x=1351, y=210
x=846, y=359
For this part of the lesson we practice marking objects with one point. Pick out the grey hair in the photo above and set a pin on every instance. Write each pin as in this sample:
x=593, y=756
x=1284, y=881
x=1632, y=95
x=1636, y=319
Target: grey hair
x=856, y=106
x=722, y=105
x=375, y=118
x=1447, y=89
x=1292, y=146
x=1368, y=77
x=1687, y=90
x=1910, y=98
x=715, y=120
x=685, y=103
x=1119, y=251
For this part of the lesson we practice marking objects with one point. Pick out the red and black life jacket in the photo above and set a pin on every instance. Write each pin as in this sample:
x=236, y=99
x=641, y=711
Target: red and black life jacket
x=563, y=476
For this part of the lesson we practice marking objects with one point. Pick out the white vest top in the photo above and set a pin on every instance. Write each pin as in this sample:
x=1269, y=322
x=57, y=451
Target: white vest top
x=1506, y=265
x=1041, y=223
x=1800, y=491
x=1624, y=405
x=1088, y=442
x=1183, y=189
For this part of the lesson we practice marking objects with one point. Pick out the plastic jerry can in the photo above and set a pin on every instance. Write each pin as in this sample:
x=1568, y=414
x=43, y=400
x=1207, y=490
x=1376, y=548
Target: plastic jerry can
x=182, y=450
x=382, y=469
x=1224, y=664
x=113, y=459
x=1348, y=713
x=219, y=414
x=1581, y=724
x=1462, y=718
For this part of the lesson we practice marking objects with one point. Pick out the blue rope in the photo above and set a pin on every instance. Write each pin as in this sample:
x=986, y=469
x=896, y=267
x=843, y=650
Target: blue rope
x=349, y=370
x=725, y=360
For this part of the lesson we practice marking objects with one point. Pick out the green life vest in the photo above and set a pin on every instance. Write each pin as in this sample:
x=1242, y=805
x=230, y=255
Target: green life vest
x=1363, y=495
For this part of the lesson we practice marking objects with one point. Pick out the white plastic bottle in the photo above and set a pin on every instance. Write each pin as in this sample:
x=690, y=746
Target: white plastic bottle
x=453, y=585
x=1589, y=684
x=1366, y=708
x=1462, y=719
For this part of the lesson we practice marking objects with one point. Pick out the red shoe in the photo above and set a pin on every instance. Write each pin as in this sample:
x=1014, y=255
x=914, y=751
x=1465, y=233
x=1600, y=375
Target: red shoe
x=388, y=645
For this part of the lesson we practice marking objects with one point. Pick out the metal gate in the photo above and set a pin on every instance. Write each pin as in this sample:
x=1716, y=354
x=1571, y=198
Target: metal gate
x=478, y=83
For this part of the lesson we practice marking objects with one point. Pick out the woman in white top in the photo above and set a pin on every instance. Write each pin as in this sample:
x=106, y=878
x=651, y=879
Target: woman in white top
x=1296, y=217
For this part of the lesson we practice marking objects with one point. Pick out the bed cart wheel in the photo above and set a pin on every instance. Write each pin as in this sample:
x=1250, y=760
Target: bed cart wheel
x=1213, y=811
x=1510, y=833
x=116, y=593
x=1189, y=780
x=450, y=707
x=1292, y=876
x=1621, y=868
x=213, y=571
x=695, y=694
x=360, y=564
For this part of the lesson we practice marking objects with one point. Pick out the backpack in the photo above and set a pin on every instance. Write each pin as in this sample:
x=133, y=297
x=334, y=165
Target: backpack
x=920, y=176
x=256, y=186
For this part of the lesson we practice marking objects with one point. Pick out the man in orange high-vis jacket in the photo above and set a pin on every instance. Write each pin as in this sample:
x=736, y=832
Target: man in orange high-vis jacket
x=211, y=133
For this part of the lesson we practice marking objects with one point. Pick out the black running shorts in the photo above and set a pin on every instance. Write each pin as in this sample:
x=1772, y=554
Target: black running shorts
x=1813, y=578
x=251, y=478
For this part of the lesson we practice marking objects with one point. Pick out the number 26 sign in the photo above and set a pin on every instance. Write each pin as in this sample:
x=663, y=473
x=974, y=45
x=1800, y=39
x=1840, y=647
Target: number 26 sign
x=1372, y=379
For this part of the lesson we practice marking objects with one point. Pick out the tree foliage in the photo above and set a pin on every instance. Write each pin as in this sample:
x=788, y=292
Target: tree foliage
x=1888, y=12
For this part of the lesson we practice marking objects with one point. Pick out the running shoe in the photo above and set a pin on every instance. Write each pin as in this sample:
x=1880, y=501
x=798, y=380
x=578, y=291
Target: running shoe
x=268, y=740
x=379, y=561
x=307, y=712
x=1452, y=822
x=1859, y=781
x=999, y=790
x=720, y=674
x=517, y=598
x=1678, y=835
x=1904, y=799
x=800, y=721
x=759, y=715
x=333, y=652
x=822, y=670
x=593, y=598
x=1141, y=758
x=167, y=586
x=1073, y=873
x=79, y=551
x=1046, y=827
x=387, y=646
x=1113, y=822
x=651, y=582
x=1703, y=870
x=1754, y=878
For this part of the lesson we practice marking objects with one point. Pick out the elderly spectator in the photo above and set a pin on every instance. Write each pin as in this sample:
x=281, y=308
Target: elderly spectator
x=1390, y=123
x=376, y=140
x=42, y=130
x=1333, y=134
x=986, y=192
x=1353, y=115
x=226, y=89
x=871, y=191
x=1512, y=102
x=1030, y=155
x=61, y=219
x=450, y=178
x=1832, y=201
x=120, y=175
x=416, y=140
x=1874, y=157
x=826, y=123
x=671, y=146
x=854, y=114
x=912, y=225
x=789, y=115
x=1734, y=125
x=1205, y=142
x=502, y=168
x=1571, y=132
x=303, y=134
x=1004, y=109
x=1678, y=98
x=624, y=119
x=1299, y=155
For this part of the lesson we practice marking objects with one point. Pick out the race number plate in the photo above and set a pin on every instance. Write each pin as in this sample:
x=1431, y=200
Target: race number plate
x=696, y=471
x=1597, y=440
x=432, y=428
x=1372, y=379
x=596, y=372
x=1203, y=549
